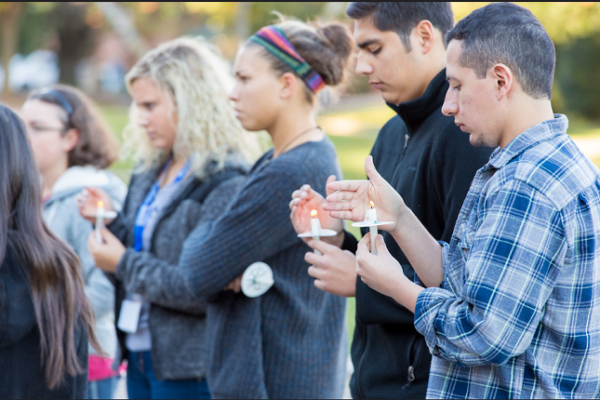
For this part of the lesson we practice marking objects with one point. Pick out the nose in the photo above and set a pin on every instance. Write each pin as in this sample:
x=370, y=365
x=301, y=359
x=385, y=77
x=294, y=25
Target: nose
x=363, y=67
x=143, y=119
x=450, y=106
x=234, y=95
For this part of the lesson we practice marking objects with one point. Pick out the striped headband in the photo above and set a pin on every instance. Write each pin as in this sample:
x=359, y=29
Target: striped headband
x=274, y=40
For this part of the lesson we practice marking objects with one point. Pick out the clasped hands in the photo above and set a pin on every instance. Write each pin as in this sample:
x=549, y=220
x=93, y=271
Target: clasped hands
x=335, y=270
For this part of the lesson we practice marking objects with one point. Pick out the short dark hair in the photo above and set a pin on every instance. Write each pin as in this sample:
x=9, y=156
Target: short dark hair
x=509, y=34
x=403, y=17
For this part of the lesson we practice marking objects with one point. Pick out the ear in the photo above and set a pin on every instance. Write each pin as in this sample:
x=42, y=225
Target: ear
x=70, y=140
x=425, y=35
x=504, y=80
x=289, y=84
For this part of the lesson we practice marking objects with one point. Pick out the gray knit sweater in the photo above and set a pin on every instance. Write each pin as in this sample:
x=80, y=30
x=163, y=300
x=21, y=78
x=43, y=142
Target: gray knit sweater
x=177, y=325
x=286, y=343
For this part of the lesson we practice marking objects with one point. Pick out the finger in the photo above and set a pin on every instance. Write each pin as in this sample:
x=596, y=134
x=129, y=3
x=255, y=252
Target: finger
x=372, y=171
x=332, y=178
x=314, y=259
x=342, y=205
x=380, y=245
x=351, y=186
x=342, y=195
x=316, y=272
x=296, y=194
x=342, y=215
x=321, y=246
x=363, y=245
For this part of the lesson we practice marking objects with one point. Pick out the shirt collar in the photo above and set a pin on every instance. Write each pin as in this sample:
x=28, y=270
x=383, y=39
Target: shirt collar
x=536, y=134
x=416, y=111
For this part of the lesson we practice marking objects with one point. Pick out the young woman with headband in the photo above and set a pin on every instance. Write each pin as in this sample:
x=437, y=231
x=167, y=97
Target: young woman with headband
x=46, y=319
x=72, y=147
x=288, y=343
x=189, y=153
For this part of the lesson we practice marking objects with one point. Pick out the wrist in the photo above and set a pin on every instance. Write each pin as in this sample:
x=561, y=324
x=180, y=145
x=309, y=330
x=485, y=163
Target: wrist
x=338, y=240
x=407, y=293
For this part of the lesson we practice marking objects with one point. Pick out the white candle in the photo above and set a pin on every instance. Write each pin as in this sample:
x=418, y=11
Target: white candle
x=99, y=221
x=315, y=227
x=372, y=219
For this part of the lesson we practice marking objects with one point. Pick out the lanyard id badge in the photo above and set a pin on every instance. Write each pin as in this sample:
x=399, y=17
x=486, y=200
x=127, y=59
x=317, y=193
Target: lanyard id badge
x=129, y=317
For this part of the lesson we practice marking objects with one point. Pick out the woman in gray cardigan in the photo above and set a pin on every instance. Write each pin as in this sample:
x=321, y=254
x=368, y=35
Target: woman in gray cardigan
x=188, y=148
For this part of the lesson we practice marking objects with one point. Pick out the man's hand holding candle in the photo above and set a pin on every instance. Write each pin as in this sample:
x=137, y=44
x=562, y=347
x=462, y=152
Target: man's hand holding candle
x=304, y=201
x=107, y=254
x=384, y=273
x=350, y=199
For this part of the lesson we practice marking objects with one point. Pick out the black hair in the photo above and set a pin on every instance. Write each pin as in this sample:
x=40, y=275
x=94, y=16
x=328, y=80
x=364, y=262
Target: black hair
x=53, y=269
x=509, y=34
x=402, y=17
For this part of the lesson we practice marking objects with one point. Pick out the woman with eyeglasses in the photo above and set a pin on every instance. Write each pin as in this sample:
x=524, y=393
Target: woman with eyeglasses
x=72, y=147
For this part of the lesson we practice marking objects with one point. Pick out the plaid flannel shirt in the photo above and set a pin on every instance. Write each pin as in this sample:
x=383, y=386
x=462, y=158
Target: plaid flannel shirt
x=518, y=312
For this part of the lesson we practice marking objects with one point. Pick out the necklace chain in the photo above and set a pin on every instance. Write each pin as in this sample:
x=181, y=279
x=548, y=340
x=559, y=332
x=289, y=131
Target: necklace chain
x=296, y=137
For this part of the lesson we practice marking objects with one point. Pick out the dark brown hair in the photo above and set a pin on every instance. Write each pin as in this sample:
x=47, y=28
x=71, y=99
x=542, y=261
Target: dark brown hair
x=326, y=48
x=96, y=145
x=61, y=305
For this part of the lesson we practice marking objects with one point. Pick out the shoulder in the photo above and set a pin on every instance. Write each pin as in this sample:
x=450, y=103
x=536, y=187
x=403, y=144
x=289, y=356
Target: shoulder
x=557, y=169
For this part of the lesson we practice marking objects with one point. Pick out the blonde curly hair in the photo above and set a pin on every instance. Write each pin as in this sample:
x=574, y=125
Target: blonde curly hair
x=198, y=81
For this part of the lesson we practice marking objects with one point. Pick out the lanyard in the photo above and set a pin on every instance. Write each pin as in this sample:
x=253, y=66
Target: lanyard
x=147, y=209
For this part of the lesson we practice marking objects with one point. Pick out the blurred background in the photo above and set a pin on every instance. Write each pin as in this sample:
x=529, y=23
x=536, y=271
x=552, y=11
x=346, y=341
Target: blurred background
x=92, y=45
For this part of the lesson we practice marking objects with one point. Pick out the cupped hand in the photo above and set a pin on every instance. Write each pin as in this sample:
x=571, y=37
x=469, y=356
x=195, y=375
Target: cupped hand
x=334, y=269
x=304, y=201
x=87, y=202
x=382, y=272
x=350, y=199
x=108, y=253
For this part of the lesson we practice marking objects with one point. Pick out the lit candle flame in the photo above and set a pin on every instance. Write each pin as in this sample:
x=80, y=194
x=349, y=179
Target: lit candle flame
x=371, y=204
x=313, y=214
x=100, y=204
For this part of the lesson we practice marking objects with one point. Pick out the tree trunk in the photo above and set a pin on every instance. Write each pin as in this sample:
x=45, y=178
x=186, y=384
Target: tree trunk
x=9, y=28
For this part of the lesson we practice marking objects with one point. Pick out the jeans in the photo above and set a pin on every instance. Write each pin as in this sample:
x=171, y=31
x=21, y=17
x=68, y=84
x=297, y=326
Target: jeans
x=102, y=389
x=142, y=384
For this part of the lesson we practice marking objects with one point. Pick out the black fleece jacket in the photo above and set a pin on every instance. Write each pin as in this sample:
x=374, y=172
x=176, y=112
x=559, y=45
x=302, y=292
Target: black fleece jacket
x=22, y=374
x=431, y=163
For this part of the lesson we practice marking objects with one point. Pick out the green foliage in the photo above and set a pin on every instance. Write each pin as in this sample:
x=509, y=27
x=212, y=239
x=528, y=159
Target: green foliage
x=577, y=76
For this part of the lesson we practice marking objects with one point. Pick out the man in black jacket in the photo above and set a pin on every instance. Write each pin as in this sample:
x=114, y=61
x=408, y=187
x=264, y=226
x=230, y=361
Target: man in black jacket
x=426, y=158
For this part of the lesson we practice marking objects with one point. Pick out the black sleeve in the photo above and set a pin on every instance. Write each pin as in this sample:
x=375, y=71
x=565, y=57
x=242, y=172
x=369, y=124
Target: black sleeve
x=350, y=243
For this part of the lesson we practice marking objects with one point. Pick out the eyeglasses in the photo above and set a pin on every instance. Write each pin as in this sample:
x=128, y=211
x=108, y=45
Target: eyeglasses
x=39, y=129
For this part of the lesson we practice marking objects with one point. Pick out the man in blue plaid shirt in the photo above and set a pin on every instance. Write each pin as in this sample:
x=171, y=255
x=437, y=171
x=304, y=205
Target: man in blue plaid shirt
x=510, y=308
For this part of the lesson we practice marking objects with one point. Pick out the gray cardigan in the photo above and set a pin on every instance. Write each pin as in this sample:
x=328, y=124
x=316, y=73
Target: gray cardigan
x=288, y=343
x=177, y=326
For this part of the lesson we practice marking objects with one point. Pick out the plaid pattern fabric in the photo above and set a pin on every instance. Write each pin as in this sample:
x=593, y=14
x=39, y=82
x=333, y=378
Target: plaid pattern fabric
x=518, y=312
x=274, y=40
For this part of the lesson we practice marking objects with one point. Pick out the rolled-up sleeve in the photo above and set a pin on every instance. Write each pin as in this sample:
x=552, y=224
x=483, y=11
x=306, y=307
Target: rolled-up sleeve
x=490, y=306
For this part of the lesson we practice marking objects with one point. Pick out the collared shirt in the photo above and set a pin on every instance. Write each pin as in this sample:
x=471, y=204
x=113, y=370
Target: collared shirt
x=518, y=312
